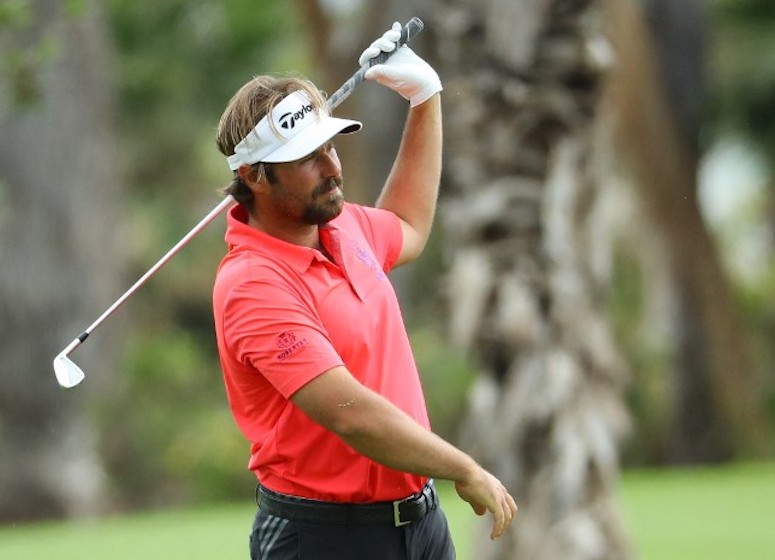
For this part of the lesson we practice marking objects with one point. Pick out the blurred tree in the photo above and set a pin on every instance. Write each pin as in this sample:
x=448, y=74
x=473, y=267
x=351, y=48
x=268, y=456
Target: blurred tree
x=657, y=94
x=743, y=106
x=525, y=229
x=60, y=218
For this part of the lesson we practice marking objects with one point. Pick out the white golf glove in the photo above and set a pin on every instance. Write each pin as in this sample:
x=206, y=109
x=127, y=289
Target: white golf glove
x=404, y=72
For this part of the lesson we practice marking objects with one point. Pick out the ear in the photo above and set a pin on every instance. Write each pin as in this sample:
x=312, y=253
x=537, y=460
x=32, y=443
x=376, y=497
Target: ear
x=252, y=176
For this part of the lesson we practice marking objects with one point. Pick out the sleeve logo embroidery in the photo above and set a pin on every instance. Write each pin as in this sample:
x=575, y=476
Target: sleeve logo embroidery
x=289, y=344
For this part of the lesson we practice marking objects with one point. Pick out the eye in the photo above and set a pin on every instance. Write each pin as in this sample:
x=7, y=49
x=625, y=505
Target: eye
x=307, y=158
x=326, y=148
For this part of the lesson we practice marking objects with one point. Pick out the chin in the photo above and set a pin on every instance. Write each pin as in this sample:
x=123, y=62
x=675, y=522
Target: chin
x=321, y=215
x=333, y=214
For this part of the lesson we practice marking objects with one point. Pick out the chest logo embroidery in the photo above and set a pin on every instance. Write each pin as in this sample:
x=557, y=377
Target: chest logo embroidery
x=366, y=258
x=289, y=343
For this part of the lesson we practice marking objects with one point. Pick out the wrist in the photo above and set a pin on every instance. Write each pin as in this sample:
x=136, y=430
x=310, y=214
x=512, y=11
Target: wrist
x=425, y=94
x=424, y=110
x=470, y=472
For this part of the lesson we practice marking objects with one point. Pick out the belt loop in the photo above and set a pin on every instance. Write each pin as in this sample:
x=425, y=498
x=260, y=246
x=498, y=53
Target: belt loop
x=258, y=494
x=431, y=494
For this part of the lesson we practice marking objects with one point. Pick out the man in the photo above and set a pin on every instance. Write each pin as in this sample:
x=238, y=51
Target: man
x=318, y=369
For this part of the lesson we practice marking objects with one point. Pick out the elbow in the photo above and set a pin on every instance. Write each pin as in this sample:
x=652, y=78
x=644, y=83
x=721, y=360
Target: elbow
x=414, y=241
x=338, y=403
x=346, y=421
x=358, y=418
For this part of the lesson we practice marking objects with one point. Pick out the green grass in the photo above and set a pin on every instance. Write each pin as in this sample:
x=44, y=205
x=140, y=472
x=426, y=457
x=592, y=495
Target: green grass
x=708, y=514
x=216, y=532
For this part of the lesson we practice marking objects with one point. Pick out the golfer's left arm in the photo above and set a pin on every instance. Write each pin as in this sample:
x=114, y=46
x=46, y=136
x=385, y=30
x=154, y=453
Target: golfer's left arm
x=412, y=187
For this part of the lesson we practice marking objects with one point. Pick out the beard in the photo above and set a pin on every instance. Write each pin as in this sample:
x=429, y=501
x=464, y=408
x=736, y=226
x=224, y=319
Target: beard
x=327, y=203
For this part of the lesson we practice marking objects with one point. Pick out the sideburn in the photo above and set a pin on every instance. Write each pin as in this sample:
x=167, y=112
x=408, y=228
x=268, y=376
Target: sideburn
x=271, y=175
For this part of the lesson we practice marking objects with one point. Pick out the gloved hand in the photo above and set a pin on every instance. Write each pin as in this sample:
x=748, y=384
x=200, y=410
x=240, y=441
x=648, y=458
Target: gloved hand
x=404, y=72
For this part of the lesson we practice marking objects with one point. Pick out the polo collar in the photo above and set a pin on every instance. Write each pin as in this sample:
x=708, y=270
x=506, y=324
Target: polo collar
x=241, y=236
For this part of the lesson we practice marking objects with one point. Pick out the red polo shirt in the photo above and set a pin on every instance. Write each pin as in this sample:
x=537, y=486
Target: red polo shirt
x=284, y=314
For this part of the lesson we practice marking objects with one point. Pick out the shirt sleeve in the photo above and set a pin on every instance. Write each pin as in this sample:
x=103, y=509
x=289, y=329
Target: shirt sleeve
x=382, y=230
x=273, y=328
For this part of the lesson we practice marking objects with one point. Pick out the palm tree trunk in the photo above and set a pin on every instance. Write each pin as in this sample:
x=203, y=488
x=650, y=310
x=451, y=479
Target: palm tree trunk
x=525, y=229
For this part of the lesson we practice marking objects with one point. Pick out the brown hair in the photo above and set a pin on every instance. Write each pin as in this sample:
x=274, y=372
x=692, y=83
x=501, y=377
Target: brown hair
x=249, y=105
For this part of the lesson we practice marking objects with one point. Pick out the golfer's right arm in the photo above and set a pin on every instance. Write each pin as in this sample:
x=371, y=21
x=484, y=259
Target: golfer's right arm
x=377, y=429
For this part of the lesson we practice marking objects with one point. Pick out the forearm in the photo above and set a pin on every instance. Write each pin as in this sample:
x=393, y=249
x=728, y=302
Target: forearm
x=378, y=429
x=388, y=436
x=412, y=187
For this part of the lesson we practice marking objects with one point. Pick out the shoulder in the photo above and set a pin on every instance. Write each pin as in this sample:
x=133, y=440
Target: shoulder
x=379, y=229
x=252, y=273
x=364, y=214
x=249, y=265
x=372, y=222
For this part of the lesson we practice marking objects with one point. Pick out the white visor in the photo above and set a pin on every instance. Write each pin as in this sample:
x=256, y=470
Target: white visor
x=296, y=130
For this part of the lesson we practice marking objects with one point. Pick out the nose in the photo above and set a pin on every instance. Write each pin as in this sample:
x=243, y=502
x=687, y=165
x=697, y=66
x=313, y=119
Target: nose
x=330, y=165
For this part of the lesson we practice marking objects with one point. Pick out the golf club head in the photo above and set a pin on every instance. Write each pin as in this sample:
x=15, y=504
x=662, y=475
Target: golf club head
x=68, y=374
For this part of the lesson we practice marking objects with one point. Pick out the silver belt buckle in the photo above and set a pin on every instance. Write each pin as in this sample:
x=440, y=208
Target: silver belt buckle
x=397, y=514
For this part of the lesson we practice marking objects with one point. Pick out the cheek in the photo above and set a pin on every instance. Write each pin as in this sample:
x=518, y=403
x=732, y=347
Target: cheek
x=337, y=163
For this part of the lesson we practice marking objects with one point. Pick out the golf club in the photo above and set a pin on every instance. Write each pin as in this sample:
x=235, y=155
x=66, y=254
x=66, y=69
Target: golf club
x=68, y=374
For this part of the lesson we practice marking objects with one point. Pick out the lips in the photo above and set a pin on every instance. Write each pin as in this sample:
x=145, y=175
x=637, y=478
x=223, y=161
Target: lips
x=327, y=187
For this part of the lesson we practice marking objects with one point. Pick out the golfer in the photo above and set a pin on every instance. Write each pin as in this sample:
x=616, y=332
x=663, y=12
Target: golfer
x=318, y=369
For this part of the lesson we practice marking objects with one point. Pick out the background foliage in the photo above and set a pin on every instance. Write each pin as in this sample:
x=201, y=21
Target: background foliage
x=741, y=106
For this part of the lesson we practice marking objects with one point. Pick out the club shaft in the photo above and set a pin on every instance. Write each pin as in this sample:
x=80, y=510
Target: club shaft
x=410, y=30
x=225, y=203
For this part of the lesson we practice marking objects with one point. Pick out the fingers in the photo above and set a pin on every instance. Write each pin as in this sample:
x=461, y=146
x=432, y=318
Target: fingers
x=486, y=493
x=500, y=520
x=386, y=43
x=513, y=508
x=503, y=514
x=394, y=33
x=379, y=46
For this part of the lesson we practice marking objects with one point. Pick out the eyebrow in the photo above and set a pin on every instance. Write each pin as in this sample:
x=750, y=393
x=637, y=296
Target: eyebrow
x=323, y=148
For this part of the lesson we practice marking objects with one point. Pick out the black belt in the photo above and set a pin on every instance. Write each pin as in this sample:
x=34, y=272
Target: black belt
x=397, y=513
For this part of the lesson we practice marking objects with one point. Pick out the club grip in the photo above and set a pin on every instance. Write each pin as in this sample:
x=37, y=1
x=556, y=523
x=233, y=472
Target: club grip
x=408, y=32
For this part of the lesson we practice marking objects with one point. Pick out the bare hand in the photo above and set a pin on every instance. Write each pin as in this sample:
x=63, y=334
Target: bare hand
x=486, y=493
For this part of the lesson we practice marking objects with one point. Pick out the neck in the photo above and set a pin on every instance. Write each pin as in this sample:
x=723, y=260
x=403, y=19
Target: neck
x=297, y=234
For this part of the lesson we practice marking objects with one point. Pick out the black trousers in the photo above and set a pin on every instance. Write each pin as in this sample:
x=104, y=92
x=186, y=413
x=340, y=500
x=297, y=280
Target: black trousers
x=277, y=538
